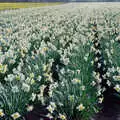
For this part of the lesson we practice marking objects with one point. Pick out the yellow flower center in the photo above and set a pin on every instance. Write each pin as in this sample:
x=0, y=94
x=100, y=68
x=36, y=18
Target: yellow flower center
x=1, y=114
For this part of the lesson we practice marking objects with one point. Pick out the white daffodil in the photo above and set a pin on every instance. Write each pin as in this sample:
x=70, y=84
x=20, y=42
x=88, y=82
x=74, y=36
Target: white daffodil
x=116, y=78
x=30, y=108
x=3, y=68
x=71, y=98
x=93, y=83
x=117, y=88
x=15, y=115
x=50, y=109
x=100, y=100
x=53, y=104
x=15, y=89
x=81, y=107
x=83, y=87
x=76, y=81
x=1, y=113
x=62, y=117
x=25, y=87
x=33, y=97
x=49, y=116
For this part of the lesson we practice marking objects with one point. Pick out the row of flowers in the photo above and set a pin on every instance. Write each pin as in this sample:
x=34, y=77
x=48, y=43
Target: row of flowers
x=47, y=57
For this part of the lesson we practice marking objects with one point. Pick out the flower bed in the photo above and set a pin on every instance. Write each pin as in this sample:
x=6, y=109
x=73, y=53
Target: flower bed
x=64, y=58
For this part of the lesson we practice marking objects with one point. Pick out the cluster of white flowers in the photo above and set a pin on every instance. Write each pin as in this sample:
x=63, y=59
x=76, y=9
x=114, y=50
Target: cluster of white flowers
x=46, y=54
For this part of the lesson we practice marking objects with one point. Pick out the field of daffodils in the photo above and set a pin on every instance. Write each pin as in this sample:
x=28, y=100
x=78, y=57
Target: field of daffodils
x=65, y=58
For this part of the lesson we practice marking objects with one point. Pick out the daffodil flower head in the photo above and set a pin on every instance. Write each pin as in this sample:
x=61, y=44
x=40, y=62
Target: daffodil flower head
x=76, y=81
x=81, y=107
x=15, y=115
x=1, y=113
x=62, y=117
x=3, y=68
